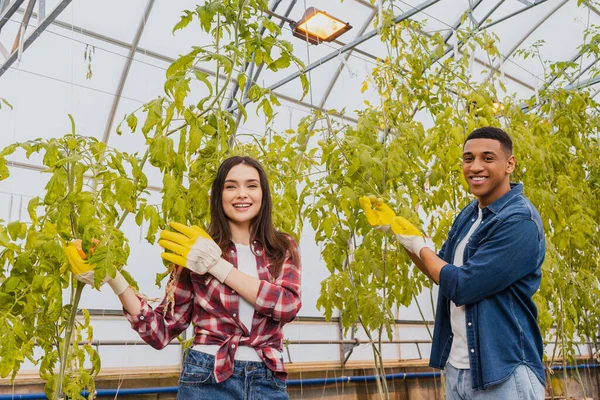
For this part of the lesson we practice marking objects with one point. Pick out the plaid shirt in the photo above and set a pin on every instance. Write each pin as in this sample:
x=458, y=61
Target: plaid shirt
x=212, y=308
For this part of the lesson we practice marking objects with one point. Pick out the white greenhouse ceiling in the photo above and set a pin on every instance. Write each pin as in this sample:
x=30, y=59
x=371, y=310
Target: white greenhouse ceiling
x=99, y=60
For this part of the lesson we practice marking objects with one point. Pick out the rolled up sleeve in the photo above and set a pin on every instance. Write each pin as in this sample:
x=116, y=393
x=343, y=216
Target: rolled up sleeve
x=157, y=327
x=281, y=300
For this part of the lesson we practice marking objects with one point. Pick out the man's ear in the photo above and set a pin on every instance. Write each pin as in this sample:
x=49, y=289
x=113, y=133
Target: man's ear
x=510, y=164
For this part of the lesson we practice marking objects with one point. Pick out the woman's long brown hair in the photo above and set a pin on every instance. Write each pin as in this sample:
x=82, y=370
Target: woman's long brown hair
x=276, y=244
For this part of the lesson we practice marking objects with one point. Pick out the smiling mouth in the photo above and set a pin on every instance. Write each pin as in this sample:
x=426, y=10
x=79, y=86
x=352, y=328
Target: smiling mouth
x=478, y=179
x=242, y=206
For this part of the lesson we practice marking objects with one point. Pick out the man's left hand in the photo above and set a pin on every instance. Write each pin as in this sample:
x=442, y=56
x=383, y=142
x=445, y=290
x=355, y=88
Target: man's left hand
x=408, y=235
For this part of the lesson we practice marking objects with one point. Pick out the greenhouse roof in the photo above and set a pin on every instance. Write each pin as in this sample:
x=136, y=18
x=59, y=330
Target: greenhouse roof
x=101, y=60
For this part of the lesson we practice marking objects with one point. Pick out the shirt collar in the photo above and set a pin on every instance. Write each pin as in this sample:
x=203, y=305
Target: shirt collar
x=516, y=189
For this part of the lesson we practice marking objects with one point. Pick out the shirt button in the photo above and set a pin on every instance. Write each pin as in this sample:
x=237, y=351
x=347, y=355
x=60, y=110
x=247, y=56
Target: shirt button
x=472, y=350
x=142, y=317
x=469, y=324
x=233, y=291
x=233, y=346
x=234, y=315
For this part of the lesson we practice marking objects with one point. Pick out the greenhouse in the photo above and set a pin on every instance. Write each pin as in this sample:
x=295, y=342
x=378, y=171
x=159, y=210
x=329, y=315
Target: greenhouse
x=400, y=199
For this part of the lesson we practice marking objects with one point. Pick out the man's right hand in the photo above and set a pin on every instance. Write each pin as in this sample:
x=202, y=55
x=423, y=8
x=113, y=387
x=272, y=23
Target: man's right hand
x=378, y=213
x=84, y=271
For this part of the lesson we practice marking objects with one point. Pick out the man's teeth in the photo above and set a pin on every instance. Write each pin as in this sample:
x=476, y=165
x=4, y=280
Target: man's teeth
x=479, y=178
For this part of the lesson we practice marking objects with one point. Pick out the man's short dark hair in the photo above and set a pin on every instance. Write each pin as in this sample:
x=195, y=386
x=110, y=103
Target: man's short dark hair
x=489, y=132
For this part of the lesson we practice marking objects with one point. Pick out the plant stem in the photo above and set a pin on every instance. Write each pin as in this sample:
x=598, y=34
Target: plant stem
x=64, y=352
x=423, y=316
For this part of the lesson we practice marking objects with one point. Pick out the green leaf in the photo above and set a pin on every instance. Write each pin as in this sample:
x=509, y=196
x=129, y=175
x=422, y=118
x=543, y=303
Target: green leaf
x=17, y=230
x=305, y=85
x=125, y=193
x=86, y=213
x=185, y=20
x=132, y=122
x=32, y=209
x=154, y=117
x=3, y=100
x=72, y=124
x=205, y=18
x=203, y=77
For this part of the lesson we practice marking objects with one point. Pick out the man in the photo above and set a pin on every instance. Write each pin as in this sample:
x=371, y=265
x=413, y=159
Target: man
x=486, y=335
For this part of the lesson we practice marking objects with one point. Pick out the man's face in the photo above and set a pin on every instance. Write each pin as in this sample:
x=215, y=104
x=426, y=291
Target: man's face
x=487, y=168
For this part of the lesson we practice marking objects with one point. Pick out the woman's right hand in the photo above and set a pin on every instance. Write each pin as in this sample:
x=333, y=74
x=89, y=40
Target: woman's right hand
x=84, y=271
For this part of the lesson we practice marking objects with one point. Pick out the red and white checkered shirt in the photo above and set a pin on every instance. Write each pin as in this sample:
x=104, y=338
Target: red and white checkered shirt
x=211, y=306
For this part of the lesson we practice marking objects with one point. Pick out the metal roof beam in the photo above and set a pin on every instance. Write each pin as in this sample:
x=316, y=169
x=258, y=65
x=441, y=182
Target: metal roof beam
x=583, y=71
x=351, y=45
x=340, y=67
x=527, y=34
x=554, y=77
x=513, y=14
x=34, y=35
x=8, y=10
x=584, y=84
x=591, y=7
x=126, y=68
x=458, y=23
x=169, y=60
x=40, y=168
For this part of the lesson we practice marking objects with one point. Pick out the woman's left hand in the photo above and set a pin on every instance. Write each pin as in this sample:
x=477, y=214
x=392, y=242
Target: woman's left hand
x=194, y=249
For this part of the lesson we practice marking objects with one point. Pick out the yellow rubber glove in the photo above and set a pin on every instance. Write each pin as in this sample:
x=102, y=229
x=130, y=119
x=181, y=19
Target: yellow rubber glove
x=378, y=213
x=408, y=235
x=194, y=249
x=84, y=271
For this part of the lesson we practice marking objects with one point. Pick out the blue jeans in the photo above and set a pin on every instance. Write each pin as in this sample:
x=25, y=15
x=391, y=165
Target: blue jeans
x=250, y=381
x=522, y=384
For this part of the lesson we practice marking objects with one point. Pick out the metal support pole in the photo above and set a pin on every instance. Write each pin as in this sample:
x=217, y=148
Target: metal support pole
x=8, y=10
x=126, y=68
x=509, y=16
x=457, y=24
x=340, y=67
x=34, y=35
x=351, y=45
x=32, y=167
x=557, y=75
x=250, y=65
x=18, y=44
x=529, y=32
x=41, y=11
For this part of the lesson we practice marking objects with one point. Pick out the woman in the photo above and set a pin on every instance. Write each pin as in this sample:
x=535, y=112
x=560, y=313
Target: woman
x=238, y=287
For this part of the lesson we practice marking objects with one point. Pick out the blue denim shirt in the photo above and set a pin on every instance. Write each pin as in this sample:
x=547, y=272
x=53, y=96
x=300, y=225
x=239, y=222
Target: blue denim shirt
x=501, y=272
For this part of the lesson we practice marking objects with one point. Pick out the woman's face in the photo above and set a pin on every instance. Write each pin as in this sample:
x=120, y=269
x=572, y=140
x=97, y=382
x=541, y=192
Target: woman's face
x=242, y=194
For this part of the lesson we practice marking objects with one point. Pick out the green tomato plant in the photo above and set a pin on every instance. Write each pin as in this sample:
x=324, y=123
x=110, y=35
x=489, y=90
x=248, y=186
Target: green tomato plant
x=416, y=168
x=87, y=196
x=93, y=188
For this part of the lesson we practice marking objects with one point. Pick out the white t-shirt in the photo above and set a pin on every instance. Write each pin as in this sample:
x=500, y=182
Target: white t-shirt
x=247, y=265
x=459, y=354
x=246, y=262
